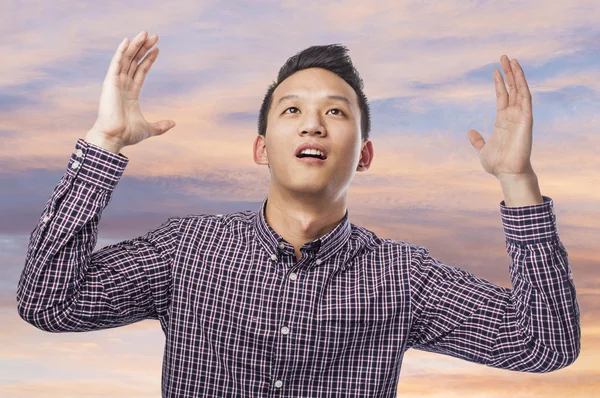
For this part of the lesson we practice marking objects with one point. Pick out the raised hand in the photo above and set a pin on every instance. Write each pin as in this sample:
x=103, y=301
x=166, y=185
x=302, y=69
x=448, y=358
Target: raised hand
x=120, y=121
x=507, y=153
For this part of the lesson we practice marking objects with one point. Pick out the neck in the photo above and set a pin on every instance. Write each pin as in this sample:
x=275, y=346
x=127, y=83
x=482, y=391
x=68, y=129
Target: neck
x=303, y=218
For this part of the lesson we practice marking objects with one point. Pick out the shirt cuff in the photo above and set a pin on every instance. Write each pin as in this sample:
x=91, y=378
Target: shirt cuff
x=529, y=225
x=96, y=165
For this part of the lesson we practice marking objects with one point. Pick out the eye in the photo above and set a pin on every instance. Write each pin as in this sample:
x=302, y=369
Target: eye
x=340, y=112
x=291, y=107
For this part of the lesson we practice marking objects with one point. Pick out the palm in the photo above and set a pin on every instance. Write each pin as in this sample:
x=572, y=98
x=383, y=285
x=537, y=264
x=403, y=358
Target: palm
x=137, y=122
x=508, y=150
x=120, y=112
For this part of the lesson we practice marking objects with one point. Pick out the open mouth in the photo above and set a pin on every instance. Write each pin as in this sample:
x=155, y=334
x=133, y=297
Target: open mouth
x=311, y=154
x=303, y=156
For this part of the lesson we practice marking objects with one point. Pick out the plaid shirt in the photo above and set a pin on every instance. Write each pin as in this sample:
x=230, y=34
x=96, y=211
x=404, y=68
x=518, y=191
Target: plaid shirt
x=243, y=317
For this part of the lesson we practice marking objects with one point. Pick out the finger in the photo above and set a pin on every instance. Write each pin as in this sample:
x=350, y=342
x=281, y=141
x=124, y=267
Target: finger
x=513, y=66
x=476, y=139
x=160, y=127
x=523, y=88
x=148, y=44
x=501, y=93
x=510, y=80
x=133, y=48
x=143, y=69
x=115, y=62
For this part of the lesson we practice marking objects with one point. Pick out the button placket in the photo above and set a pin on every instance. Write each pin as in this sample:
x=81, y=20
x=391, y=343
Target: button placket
x=284, y=330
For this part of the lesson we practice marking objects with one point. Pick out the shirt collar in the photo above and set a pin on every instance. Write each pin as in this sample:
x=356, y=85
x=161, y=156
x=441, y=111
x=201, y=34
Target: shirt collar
x=323, y=247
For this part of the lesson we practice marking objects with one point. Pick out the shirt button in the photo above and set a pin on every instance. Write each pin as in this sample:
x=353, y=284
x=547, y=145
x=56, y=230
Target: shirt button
x=318, y=262
x=274, y=257
x=79, y=153
x=293, y=276
x=285, y=330
x=75, y=165
x=281, y=245
x=278, y=384
x=46, y=218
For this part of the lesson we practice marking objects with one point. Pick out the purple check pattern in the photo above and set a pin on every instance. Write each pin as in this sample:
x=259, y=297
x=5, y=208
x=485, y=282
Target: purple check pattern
x=243, y=318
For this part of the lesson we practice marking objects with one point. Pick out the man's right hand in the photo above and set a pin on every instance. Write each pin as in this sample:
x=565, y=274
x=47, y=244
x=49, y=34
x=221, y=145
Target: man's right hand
x=120, y=121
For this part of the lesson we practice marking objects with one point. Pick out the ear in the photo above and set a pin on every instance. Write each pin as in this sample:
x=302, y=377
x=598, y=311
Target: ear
x=260, y=151
x=366, y=156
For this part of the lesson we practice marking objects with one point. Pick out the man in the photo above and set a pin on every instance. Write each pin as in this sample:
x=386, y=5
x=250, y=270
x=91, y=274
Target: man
x=293, y=300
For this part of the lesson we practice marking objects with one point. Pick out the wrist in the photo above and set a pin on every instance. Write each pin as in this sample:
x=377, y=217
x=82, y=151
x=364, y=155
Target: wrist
x=520, y=190
x=511, y=179
x=97, y=138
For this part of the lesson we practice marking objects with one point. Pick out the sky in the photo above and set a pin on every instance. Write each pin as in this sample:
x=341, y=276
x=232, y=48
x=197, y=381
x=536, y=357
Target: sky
x=427, y=68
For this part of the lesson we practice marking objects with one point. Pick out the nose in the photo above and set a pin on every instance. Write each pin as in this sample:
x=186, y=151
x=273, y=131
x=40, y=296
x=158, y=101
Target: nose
x=312, y=124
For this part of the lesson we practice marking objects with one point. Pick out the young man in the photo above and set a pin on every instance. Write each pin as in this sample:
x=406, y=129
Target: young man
x=292, y=300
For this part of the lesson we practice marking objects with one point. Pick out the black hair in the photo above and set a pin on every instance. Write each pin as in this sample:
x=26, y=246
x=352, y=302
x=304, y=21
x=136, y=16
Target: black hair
x=332, y=57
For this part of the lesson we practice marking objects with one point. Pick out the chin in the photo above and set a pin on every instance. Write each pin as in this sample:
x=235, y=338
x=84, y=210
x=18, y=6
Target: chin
x=308, y=189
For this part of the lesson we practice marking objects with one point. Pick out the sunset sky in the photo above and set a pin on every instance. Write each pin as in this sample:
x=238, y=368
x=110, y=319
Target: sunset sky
x=427, y=67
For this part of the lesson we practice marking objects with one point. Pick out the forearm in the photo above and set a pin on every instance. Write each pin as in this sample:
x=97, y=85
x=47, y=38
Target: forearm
x=59, y=254
x=539, y=330
x=543, y=296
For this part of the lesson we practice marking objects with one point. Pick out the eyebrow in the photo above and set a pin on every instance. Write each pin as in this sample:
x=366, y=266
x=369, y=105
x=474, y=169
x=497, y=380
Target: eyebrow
x=331, y=97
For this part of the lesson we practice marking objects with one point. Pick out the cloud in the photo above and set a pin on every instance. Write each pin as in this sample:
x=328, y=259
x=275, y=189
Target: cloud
x=245, y=118
x=10, y=102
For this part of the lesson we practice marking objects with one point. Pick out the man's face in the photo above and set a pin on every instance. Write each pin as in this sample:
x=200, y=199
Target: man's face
x=309, y=107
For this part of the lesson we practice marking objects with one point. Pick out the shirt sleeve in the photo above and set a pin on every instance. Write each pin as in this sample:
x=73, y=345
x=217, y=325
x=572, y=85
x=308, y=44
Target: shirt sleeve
x=533, y=327
x=64, y=286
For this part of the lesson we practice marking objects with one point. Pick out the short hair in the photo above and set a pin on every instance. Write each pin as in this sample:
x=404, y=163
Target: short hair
x=332, y=57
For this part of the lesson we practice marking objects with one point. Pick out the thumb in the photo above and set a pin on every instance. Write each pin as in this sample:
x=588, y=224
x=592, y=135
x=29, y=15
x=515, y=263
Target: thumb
x=160, y=127
x=476, y=139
